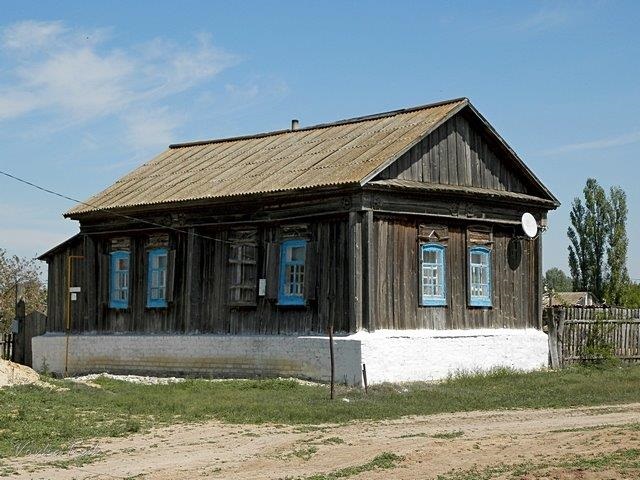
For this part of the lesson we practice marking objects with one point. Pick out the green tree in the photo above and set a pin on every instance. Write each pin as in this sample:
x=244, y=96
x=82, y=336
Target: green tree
x=617, y=276
x=558, y=281
x=23, y=274
x=631, y=297
x=588, y=235
x=579, y=259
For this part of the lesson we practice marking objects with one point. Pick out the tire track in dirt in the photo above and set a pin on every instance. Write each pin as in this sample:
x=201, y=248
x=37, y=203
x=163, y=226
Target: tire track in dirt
x=218, y=450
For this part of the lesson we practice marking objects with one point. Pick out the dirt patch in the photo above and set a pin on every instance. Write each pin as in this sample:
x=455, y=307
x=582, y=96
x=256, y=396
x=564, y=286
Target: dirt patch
x=12, y=374
x=524, y=444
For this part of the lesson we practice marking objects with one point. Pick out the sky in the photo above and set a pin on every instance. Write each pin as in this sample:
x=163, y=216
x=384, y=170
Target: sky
x=90, y=90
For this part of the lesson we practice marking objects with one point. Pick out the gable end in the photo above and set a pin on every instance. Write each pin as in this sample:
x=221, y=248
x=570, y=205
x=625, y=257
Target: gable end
x=465, y=151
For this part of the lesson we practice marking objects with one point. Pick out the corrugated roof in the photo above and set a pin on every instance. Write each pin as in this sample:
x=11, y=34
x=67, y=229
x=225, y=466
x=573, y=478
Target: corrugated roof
x=344, y=152
x=571, y=299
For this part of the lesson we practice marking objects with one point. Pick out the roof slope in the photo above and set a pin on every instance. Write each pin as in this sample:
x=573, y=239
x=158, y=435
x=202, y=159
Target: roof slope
x=347, y=152
x=339, y=153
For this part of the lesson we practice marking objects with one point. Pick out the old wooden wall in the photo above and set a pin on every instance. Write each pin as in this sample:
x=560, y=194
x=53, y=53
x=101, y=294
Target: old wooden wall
x=57, y=285
x=200, y=300
x=397, y=289
x=456, y=153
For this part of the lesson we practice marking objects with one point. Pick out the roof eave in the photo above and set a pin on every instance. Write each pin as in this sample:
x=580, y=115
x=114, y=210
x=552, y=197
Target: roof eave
x=53, y=250
x=449, y=191
x=125, y=211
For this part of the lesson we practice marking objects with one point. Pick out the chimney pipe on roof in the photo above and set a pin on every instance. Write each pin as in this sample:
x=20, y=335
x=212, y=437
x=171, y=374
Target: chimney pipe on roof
x=295, y=124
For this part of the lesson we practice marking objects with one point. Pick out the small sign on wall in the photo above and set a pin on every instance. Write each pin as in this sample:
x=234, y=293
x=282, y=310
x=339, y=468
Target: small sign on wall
x=74, y=291
x=262, y=287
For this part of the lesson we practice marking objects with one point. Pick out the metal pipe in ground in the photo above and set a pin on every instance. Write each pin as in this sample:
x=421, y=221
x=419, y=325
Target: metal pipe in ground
x=333, y=365
x=364, y=377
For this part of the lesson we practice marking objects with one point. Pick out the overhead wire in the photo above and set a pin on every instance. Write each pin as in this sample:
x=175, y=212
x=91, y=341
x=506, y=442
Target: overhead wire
x=110, y=212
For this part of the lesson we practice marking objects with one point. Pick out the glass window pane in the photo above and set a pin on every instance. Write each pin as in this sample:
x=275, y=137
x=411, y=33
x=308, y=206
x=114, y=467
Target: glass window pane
x=249, y=253
x=297, y=254
x=430, y=256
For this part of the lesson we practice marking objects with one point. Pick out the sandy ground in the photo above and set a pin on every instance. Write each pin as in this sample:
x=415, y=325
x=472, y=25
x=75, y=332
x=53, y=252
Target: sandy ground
x=15, y=374
x=216, y=450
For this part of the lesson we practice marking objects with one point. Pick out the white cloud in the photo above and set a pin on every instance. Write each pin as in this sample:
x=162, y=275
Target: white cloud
x=151, y=129
x=600, y=144
x=80, y=82
x=247, y=92
x=544, y=19
x=31, y=35
x=71, y=75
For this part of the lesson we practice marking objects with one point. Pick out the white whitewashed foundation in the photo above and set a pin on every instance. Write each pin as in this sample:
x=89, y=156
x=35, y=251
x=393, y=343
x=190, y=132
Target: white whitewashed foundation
x=390, y=355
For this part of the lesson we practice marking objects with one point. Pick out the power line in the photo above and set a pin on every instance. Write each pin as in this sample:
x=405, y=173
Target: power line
x=101, y=209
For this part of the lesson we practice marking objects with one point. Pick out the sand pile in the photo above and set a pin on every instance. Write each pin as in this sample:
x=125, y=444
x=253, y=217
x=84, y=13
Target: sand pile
x=15, y=374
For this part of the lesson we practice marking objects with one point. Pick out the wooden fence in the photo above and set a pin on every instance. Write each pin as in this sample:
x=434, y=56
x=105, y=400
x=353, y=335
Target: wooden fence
x=29, y=326
x=588, y=334
x=6, y=346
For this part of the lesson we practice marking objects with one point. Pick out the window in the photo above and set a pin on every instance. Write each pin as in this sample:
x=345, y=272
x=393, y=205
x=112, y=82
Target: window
x=479, y=277
x=434, y=292
x=242, y=274
x=119, y=280
x=157, y=278
x=292, y=259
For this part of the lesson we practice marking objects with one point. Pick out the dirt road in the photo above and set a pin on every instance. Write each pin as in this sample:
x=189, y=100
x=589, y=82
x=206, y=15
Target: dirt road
x=536, y=443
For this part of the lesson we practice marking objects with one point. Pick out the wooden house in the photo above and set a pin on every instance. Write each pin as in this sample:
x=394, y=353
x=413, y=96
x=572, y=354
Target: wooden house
x=405, y=220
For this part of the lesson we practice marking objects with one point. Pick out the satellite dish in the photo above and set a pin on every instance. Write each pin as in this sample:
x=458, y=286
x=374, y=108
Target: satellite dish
x=529, y=225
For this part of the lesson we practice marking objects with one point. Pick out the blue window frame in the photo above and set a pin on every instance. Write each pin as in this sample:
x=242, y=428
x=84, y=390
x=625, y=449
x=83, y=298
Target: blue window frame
x=432, y=275
x=292, y=260
x=119, y=280
x=157, y=278
x=479, y=277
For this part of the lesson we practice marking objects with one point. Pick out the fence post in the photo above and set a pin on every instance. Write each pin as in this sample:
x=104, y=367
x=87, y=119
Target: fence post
x=19, y=338
x=552, y=337
x=562, y=314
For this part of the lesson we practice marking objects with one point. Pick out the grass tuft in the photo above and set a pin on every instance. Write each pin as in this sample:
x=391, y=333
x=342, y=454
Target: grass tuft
x=384, y=461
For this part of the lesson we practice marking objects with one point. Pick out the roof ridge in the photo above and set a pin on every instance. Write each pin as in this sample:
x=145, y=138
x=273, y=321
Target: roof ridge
x=347, y=121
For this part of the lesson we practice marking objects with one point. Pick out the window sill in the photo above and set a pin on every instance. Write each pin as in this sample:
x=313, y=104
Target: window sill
x=292, y=305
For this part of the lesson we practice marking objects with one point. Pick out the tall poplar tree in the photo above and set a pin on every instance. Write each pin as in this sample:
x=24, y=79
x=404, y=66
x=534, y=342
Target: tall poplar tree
x=618, y=276
x=588, y=235
x=599, y=243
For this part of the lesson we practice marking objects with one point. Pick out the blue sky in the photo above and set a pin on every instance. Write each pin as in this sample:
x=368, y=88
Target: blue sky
x=89, y=90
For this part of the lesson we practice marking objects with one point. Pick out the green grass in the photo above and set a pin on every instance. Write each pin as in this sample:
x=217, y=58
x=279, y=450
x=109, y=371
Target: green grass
x=35, y=419
x=384, y=461
x=305, y=453
x=79, y=461
x=448, y=435
x=624, y=461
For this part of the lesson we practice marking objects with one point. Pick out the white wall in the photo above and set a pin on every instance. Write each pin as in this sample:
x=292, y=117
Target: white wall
x=390, y=355
x=396, y=356
x=200, y=355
